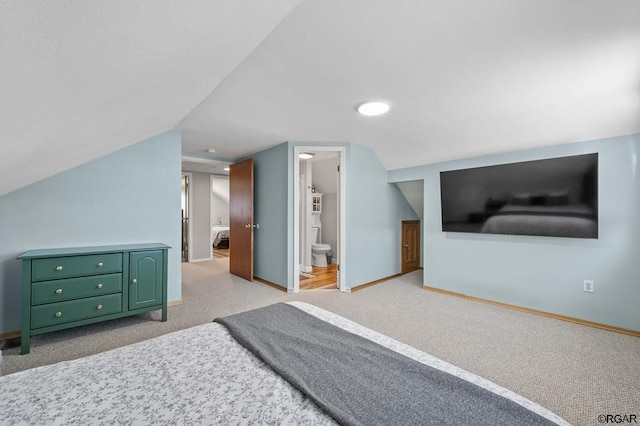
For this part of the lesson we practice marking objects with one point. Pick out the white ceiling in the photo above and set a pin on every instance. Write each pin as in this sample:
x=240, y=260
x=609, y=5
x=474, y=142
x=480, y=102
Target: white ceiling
x=464, y=78
x=212, y=167
x=80, y=79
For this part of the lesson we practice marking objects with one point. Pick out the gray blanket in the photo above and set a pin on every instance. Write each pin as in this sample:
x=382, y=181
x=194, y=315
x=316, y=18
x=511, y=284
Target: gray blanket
x=358, y=382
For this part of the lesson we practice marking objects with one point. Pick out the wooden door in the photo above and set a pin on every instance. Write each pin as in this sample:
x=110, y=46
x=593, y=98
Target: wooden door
x=410, y=245
x=241, y=219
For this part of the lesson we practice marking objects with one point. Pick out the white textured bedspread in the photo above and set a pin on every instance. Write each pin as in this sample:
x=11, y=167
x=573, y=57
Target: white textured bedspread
x=196, y=376
x=199, y=375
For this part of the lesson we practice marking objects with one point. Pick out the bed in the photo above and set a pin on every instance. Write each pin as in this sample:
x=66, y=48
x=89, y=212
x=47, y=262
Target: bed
x=220, y=236
x=573, y=220
x=208, y=374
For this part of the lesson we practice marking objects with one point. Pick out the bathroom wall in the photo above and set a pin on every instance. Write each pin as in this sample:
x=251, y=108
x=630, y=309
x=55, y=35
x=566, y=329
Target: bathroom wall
x=329, y=219
x=306, y=216
x=325, y=180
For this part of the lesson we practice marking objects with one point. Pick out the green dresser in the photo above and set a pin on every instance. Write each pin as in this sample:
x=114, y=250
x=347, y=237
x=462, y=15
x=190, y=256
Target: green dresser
x=70, y=287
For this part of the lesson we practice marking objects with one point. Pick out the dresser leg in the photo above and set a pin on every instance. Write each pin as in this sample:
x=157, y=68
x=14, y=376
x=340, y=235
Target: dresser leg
x=25, y=343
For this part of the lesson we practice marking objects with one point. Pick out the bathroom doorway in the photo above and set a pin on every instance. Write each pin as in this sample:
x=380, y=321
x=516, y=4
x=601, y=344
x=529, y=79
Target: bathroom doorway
x=319, y=217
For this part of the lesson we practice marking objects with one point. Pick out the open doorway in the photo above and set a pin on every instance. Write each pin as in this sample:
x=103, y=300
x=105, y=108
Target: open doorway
x=319, y=217
x=206, y=203
x=185, y=226
x=219, y=216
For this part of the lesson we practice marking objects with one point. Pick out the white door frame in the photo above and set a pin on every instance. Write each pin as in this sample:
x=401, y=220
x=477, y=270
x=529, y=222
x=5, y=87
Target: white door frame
x=189, y=195
x=341, y=214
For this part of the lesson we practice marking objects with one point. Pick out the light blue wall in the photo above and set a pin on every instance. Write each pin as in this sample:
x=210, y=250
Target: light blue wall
x=546, y=273
x=130, y=196
x=272, y=210
x=375, y=210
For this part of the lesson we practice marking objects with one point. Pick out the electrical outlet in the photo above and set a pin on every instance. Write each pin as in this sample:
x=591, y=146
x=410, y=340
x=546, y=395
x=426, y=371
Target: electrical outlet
x=588, y=286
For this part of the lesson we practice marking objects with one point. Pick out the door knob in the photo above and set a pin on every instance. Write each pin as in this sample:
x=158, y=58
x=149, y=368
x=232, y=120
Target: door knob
x=134, y=281
x=405, y=245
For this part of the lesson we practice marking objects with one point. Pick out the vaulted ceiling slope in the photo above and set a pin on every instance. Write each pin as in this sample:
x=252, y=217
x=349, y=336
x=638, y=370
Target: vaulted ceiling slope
x=79, y=79
x=464, y=78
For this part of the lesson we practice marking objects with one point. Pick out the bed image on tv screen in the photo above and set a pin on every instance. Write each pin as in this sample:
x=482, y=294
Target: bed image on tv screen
x=552, y=197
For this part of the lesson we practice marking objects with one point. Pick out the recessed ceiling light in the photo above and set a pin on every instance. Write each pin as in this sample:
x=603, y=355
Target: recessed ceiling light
x=226, y=169
x=210, y=150
x=373, y=108
x=306, y=155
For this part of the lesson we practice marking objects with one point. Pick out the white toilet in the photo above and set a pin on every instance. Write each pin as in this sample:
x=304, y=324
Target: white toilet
x=319, y=251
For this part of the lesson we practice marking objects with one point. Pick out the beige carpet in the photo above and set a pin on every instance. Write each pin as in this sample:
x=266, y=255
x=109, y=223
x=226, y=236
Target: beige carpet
x=576, y=371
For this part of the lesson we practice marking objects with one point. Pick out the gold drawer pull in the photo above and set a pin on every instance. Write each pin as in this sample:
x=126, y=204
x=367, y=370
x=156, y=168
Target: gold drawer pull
x=99, y=285
x=100, y=264
x=59, y=268
x=99, y=307
x=134, y=281
x=58, y=314
x=59, y=291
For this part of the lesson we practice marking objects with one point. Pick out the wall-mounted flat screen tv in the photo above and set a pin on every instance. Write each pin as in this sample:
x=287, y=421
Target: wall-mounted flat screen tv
x=555, y=197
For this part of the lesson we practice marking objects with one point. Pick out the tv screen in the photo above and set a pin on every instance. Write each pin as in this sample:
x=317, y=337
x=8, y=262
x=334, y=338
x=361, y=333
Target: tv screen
x=555, y=197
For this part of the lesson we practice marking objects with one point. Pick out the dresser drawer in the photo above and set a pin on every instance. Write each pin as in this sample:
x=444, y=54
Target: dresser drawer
x=53, y=268
x=74, y=288
x=74, y=310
